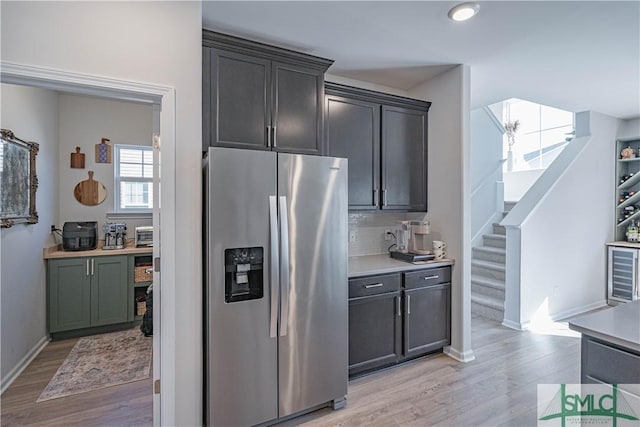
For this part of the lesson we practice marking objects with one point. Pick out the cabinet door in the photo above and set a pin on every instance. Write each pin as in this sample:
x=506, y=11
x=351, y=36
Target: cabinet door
x=427, y=319
x=69, y=294
x=374, y=331
x=352, y=131
x=404, y=159
x=240, y=100
x=109, y=286
x=298, y=94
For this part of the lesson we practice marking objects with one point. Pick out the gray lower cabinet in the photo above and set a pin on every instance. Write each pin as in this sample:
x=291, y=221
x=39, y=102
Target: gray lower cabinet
x=398, y=316
x=87, y=292
x=385, y=139
x=261, y=97
x=604, y=362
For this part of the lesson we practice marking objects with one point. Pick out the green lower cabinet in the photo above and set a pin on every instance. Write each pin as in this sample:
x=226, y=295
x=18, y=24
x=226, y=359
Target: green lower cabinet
x=87, y=292
x=109, y=290
x=69, y=294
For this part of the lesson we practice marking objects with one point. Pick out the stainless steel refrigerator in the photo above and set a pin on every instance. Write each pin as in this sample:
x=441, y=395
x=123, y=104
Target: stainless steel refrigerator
x=276, y=285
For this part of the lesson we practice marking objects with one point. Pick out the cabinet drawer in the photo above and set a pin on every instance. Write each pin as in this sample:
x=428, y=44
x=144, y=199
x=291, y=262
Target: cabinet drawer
x=421, y=278
x=608, y=364
x=373, y=285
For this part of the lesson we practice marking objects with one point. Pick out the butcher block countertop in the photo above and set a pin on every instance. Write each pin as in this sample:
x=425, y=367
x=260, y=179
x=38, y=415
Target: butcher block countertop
x=380, y=264
x=618, y=325
x=56, y=251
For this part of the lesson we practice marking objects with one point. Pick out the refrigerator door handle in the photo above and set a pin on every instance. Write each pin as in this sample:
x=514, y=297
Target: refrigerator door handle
x=284, y=266
x=273, y=240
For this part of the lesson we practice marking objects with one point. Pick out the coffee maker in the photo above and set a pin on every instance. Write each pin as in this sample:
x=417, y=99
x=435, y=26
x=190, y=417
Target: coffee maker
x=419, y=229
x=115, y=235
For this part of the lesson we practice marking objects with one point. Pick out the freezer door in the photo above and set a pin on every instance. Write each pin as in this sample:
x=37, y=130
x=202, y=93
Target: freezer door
x=241, y=359
x=313, y=342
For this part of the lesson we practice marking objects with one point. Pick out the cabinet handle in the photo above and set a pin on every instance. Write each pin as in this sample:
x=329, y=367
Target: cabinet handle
x=435, y=276
x=273, y=140
x=408, y=304
x=268, y=136
x=92, y=266
x=398, y=312
x=377, y=285
x=384, y=197
x=375, y=197
x=87, y=266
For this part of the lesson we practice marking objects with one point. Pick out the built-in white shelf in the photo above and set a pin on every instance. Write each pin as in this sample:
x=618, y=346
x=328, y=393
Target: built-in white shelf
x=635, y=159
x=630, y=182
x=631, y=200
x=628, y=220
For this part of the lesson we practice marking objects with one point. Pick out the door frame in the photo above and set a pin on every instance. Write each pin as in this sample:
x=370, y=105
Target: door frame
x=162, y=98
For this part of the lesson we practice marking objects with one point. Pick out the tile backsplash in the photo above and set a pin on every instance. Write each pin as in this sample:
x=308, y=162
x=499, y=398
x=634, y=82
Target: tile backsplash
x=369, y=229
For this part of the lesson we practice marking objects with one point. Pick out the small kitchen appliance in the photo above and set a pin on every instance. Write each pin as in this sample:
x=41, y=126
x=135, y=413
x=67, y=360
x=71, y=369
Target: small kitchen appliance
x=79, y=236
x=144, y=236
x=115, y=234
x=419, y=229
x=410, y=241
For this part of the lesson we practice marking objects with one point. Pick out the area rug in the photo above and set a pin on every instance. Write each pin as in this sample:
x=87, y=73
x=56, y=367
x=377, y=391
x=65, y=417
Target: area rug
x=101, y=361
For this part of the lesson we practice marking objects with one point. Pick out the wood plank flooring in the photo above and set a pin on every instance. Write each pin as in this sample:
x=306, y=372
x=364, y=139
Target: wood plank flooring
x=122, y=405
x=498, y=388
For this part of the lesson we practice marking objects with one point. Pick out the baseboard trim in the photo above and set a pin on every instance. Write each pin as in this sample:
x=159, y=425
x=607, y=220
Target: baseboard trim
x=526, y=325
x=518, y=326
x=23, y=363
x=464, y=357
x=579, y=310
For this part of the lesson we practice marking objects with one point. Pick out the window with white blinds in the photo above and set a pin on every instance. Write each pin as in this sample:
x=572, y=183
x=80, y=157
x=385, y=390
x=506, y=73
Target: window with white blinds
x=133, y=178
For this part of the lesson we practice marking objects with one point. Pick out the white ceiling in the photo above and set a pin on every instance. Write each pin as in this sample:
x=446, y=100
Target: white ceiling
x=574, y=55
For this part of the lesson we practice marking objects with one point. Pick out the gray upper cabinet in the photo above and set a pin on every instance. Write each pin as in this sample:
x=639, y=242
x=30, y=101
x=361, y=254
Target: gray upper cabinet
x=261, y=97
x=352, y=131
x=385, y=139
x=404, y=159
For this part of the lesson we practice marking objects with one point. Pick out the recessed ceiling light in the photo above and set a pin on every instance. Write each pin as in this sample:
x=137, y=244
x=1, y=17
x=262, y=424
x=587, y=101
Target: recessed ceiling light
x=463, y=11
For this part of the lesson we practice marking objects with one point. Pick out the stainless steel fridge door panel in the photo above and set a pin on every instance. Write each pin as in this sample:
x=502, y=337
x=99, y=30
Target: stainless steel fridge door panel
x=313, y=355
x=242, y=356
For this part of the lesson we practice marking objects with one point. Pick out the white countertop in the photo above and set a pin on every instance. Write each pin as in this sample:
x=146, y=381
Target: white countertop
x=380, y=264
x=618, y=325
x=624, y=244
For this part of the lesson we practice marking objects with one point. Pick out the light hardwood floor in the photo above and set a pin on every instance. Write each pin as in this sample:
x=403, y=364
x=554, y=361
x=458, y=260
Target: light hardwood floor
x=498, y=388
x=122, y=405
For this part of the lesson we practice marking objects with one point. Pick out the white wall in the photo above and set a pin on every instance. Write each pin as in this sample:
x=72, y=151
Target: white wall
x=563, y=230
x=449, y=189
x=629, y=129
x=32, y=115
x=486, y=171
x=517, y=183
x=83, y=121
x=156, y=43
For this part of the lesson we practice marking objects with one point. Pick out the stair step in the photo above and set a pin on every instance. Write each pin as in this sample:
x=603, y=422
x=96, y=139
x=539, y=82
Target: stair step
x=509, y=205
x=488, y=282
x=487, y=287
x=499, y=229
x=489, y=253
x=484, y=307
x=495, y=240
x=492, y=270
